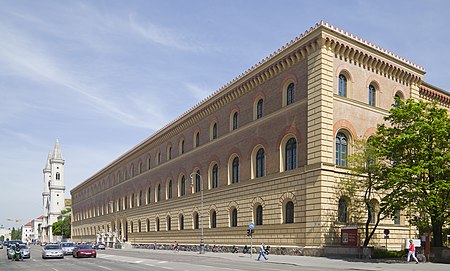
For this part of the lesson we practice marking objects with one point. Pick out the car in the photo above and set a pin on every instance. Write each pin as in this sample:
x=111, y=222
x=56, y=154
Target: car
x=52, y=251
x=25, y=251
x=84, y=250
x=100, y=246
x=68, y=247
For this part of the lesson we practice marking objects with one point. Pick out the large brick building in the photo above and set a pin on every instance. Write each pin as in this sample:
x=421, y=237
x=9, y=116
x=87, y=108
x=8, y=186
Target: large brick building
x=269, y=147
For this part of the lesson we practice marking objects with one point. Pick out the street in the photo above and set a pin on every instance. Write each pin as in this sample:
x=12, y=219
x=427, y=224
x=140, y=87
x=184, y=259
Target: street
x=136, y=260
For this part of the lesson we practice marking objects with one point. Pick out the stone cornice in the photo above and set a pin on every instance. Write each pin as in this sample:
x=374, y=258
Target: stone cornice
x=370, y=58
x=434, y=94
x=322, y=34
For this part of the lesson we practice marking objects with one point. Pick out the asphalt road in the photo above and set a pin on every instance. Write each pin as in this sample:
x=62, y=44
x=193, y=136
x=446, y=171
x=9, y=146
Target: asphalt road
x=137, y=260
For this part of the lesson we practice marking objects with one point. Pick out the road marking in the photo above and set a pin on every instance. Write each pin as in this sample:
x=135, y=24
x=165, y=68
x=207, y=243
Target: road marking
x=104, y=267
x=162, y=262
x=149, y=264
x=138, y=261
x=166, y=267
x=54, y=269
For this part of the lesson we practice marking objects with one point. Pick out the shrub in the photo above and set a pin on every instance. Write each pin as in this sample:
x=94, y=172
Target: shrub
x=382, y=254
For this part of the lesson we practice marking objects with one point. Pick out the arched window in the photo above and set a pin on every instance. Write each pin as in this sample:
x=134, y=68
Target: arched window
x=213, y=219
x=132, y=200
x=183, y=186
x=341, y=149
x=139, y=167
x=342, y=89
x=197, y=139
x=372, y=95
x=148, y=163
x=290, y=94
x=169, y=152
x=259, y=215
x=260, y=161
x=148, y=224
x=197, y=182
x=214, y=131
x=169, y=189
x=215, y=176
x=235, y=120
x=181, y=146
x=290, y=154
x=131, y=227
x=196, y=222
x=234, y=217
x=289, y=213
x=157, y=224
x=148, y=195
x=397, y=98
x=168, y=223
x=259, y=109
x=158, y=158
x=139, y=226
x=235, y=170
x=158, y=193
x=396, y=217
x=140, y=198
x=342, y=211
x=125, y=206
x=373, y=206
x=181, y=222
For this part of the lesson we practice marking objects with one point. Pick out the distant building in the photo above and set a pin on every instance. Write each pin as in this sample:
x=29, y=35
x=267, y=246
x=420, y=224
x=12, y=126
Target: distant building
x=269, y=148
x=31, y=230
x=53, y=195
x=5, y=233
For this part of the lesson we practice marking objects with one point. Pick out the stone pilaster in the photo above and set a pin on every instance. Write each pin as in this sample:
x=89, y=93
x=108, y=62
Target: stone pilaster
x=319, y=143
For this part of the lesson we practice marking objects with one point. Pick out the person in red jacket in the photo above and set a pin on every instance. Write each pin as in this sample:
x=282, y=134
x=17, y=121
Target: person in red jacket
x=412, y=251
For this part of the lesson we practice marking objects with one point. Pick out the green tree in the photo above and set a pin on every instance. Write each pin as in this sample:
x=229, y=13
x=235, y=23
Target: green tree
x=62, y=227
x=414, y=152
x=361, y=187
x=16, y=234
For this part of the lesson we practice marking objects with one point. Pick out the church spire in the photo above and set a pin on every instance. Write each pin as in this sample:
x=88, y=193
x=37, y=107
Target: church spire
x=57, y=151
x=47, y=164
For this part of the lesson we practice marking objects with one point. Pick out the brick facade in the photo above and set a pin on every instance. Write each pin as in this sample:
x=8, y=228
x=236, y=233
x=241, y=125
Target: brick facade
x=313, y=62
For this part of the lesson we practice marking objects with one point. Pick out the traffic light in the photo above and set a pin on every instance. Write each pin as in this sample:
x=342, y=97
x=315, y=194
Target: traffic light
x=250, y=232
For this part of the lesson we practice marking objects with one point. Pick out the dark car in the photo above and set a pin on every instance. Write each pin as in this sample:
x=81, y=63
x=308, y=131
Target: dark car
x=100, y=246
x=84, y=251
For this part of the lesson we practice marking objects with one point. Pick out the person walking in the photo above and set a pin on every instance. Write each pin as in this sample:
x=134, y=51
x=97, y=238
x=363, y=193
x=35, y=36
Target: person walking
x=412, y=251
x=175, y=246
x=261, y=252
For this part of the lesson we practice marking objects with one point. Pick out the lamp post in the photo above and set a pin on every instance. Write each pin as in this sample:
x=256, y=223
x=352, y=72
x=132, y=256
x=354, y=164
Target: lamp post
x=202, y=243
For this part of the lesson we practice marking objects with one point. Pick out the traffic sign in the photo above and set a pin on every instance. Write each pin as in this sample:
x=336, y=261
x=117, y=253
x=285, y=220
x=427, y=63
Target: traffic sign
x=251, y=226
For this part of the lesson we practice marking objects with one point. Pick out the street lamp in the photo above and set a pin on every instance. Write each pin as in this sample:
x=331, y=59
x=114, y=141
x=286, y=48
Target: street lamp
x=202, y=243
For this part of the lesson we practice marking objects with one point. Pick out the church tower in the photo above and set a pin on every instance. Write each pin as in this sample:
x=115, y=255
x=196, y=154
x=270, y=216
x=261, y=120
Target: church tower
x=54, y=189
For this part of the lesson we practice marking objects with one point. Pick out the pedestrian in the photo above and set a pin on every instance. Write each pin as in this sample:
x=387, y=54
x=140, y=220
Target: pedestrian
x=261, y=252
x=175, y=246
x=412, y=251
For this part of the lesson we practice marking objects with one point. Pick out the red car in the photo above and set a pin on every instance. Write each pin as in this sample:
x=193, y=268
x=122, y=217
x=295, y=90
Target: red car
x=84, y=251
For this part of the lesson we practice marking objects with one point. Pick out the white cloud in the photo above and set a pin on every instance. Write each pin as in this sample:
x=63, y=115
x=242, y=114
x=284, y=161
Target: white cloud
x=162, y=35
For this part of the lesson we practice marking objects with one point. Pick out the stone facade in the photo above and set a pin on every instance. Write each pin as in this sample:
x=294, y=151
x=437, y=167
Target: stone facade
x=299, y=204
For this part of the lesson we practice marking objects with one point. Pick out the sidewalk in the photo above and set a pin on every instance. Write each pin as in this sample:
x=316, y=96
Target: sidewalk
x=322, y=262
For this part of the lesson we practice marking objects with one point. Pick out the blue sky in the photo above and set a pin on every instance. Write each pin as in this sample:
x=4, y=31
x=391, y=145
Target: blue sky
x=102, y=76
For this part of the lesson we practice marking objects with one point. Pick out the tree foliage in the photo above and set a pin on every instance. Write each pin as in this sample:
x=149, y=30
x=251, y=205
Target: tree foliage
x=414, y=155
x=62, y=227
x=16, y=234
x=361, y=188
